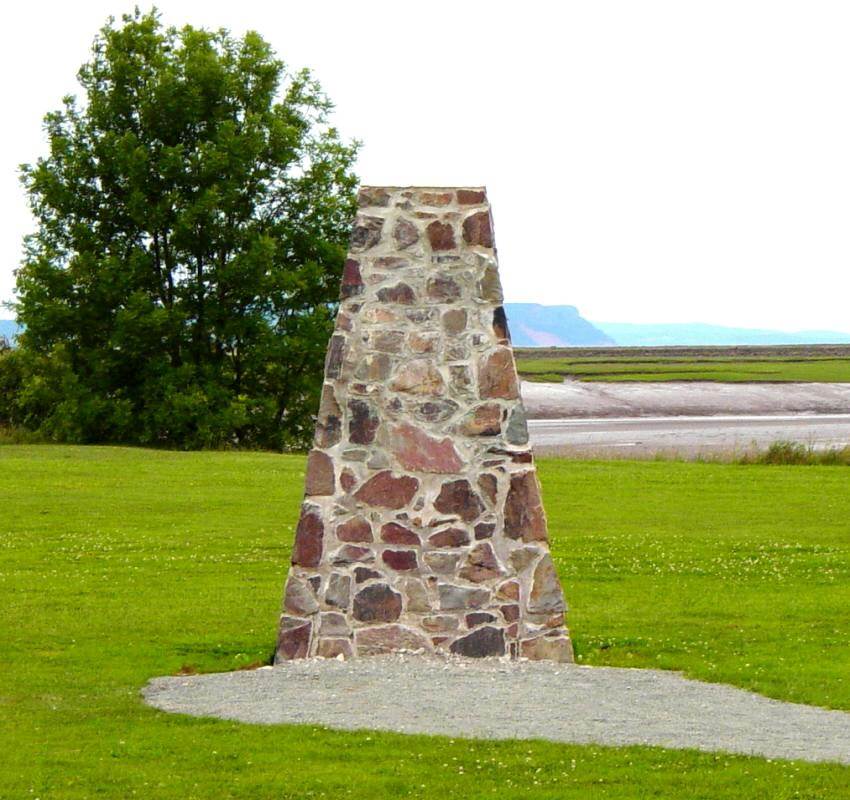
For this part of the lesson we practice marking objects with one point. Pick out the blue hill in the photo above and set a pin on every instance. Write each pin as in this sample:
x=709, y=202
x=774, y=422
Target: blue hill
x=535, y=325
x=629, y=334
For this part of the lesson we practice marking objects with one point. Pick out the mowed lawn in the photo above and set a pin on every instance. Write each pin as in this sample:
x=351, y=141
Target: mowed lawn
x=737, y=370
x=117, y=565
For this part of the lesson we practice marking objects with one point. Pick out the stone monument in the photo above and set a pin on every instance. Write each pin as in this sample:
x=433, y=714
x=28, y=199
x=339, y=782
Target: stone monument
x=422, y=527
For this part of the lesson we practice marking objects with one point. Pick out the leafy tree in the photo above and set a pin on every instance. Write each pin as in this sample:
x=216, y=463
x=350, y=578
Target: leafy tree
x=192, y=220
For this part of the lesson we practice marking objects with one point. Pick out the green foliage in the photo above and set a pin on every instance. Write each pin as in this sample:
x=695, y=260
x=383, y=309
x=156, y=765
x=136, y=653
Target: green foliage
x=181, y=286
x=729, y=573
x=724, y=370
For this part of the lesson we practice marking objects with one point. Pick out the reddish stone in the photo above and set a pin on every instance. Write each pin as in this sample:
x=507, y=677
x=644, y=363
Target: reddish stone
x=377, y=603
x=352, y=282
x=477, y=229
x=374, y=367
x=332, y=623
x=405, y=234
x=485, y=420
x=471, y=197
x=400, y=560
x=510, y=613
x=343, y=322
x=422, y=342
x=548, y=648
x=293, y=639
x=349, y=554
x=388, y=491
x=489, y=485
x=400, y=293
x=509, y=590
x=481, y=564
x=524, y=517
x=417, y=451
x=481, y=643
x=497, y=375
x=455, y=321
x=450, y=537
x=418, y=376
x=347, y=479
x=307, y=550
x=357, y=529
x=500, y=325
x=372, y=196
x=434, y=198
x=441, y=235
x=335, y=357
x=366, y=233
x=320, y=474
x=298, y=597
x=484, y=530
x=393, y=533
x=333, y=648
x=546, y=596
x=479, y=618
x=363, y=574
x=383, y=639
x=458, y=497
x=379, y=314
x=443, y=289
x=363, y=422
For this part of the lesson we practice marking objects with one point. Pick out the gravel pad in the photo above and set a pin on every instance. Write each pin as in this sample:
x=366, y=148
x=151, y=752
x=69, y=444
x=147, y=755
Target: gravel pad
x=494, y=699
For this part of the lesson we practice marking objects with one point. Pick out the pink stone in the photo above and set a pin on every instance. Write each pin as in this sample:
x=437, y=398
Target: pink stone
x=293, y=639
x=393, y=533
x=470, y=197
x=382, y=639
x=458, y=497
x=481, y=564
x=509, y=590
x=366, y=233
x=405, y=234
x=450, y=537
x=320, y=474
x=481, y=643
x=477, y=229
x=489, y=486
x=372, y=196
x=455, y=321
x=388, y=491
x=441, y=236
x=434, y=198
x=417, y=451
x=400, y=560
x=400, y=293
x=348, y=480
x=497, y=375
x=377, y=603
x=307, y=550
x=352, y=282
x=524, y=517
x=298, y=597
x=357, y=529
x=363, y=422
x=443, y=289
x=418, y=376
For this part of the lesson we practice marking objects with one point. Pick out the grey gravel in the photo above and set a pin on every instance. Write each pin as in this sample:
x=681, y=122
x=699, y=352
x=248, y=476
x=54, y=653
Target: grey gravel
x=497, y=699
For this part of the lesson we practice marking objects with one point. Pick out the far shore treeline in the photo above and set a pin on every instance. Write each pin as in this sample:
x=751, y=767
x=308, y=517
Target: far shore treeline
x=192, y=214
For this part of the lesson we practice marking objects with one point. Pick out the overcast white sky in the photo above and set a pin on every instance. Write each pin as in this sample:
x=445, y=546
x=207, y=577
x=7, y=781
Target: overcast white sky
x=646, y=161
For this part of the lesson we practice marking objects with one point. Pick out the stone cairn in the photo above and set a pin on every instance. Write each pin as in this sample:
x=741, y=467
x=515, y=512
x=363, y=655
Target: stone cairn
x=422, y=527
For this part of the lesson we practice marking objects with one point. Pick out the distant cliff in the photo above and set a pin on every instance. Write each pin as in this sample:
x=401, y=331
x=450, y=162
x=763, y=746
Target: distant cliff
x=534, y=325
x=658, y=335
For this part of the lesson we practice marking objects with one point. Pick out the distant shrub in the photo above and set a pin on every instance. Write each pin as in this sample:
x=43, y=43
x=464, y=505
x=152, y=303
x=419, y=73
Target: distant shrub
x=794, y=453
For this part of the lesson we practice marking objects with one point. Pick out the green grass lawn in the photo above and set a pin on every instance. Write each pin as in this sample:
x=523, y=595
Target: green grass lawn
x=737, y=370
x=120, y=564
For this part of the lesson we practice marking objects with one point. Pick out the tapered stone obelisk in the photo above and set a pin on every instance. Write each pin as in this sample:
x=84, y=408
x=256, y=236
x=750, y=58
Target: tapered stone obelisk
x=422, y=526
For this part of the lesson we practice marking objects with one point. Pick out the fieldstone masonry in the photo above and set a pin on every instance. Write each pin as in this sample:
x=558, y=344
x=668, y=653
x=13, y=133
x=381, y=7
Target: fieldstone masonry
x=422, y=526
